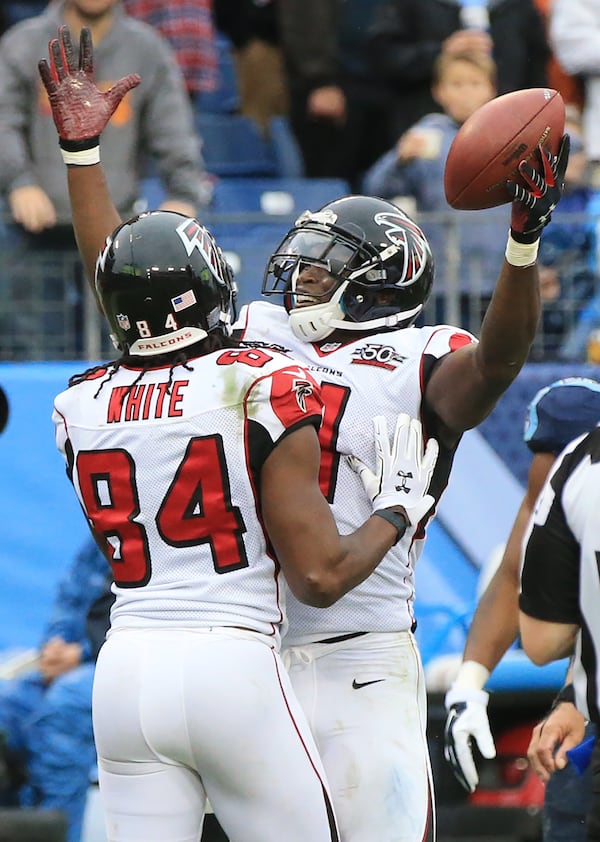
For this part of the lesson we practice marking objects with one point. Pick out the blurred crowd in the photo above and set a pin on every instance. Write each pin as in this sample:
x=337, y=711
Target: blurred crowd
x=372, y=93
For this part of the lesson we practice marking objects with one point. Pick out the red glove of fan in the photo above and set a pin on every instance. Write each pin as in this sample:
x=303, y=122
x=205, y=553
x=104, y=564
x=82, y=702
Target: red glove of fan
x=79, y=109
x=533, y=205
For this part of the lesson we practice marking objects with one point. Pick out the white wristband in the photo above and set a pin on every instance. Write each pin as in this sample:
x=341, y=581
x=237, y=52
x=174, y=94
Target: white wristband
x=471, y=675
x=82, y=158
x=521, y=254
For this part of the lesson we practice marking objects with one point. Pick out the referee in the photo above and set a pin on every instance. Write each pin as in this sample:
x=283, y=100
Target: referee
x=560, y=583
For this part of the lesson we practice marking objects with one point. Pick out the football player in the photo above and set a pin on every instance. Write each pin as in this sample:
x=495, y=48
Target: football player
x=353, y=278
x=196, y=463
x=557, y=414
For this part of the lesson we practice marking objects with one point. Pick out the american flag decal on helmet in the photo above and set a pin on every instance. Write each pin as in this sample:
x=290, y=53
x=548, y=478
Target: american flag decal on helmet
x=183, y=301
x=406, y=234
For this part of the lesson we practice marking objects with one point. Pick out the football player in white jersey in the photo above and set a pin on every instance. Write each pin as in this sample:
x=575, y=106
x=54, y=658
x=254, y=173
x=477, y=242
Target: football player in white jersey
x=353, y=278
x=196, y=463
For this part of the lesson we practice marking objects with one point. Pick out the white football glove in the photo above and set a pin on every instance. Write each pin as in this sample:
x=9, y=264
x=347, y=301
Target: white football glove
x=467, y=721
x=403, y=471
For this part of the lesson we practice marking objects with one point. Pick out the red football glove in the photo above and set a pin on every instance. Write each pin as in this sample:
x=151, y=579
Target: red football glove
x=79, y=109
x=533, y=205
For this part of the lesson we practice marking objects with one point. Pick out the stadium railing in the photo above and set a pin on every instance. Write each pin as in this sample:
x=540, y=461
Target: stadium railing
x=47, y=312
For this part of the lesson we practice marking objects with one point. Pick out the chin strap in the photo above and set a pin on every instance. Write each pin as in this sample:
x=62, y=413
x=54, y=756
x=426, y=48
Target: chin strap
x=318, y=321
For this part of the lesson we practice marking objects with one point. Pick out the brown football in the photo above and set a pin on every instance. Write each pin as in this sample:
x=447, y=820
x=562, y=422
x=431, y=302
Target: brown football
x=490, y=145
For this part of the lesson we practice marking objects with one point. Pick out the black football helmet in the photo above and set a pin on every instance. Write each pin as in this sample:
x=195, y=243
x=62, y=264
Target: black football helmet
x=380, y=258
x=164, y=284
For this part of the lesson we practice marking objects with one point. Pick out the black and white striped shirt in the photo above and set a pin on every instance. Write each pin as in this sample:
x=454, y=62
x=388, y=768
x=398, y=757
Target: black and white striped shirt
x=560, y=578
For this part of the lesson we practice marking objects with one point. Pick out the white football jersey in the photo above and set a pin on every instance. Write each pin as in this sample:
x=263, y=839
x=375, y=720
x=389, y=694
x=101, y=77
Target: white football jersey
x=166, y=465
x=377, y=374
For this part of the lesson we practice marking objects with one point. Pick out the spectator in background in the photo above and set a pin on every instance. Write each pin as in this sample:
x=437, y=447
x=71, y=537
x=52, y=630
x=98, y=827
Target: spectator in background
x=575, y=38
x=252, y=26
x=189, y=28
x=462, y=83
x=570, y=87
x=557, y=413
x=407, y=36
x=567, y=257
x=338, y=110
x=46, y=714
x=154, y=122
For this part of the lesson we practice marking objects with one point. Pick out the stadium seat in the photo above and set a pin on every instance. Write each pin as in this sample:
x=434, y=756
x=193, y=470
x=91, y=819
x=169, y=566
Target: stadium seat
x=250, y=216
x=152, y=193
x=233, y=145
x=288, y=158
x=247, y=250
x=275, y=196
x=225, y=99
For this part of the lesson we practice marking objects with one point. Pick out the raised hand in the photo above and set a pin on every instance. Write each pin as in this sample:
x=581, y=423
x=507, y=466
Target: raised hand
x=533, y=204
x=80, y=110
x=403, y=470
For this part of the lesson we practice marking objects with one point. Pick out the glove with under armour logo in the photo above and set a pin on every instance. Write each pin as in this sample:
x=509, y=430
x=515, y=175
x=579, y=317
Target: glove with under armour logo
x=403, y=469
x=467, y=721
x=80, y=110
x=533, y=204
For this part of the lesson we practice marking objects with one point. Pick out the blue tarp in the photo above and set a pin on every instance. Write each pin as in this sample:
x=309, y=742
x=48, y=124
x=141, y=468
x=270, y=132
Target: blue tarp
x=43, y=525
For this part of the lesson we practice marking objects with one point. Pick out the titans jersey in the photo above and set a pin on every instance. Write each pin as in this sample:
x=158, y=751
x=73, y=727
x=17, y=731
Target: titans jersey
x=376, y=374
x=166, y=464
x=560, y=412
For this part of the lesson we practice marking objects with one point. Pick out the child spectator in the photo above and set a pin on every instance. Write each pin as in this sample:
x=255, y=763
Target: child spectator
x=465, y=246
x=407, y=36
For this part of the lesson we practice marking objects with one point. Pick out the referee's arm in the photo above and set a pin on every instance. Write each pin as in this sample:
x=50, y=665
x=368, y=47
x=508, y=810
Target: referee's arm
x=549, y=613
x=545, y=641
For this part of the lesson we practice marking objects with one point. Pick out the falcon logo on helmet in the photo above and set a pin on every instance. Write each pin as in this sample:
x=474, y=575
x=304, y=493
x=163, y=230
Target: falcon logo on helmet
x=398, y=228
x=195, y=236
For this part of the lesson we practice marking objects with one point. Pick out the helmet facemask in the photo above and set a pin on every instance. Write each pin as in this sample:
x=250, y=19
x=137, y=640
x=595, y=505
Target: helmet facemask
x=380, y=285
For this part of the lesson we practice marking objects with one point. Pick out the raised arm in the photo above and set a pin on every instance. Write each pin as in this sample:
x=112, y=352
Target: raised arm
x=80, y=113
x=465, y=386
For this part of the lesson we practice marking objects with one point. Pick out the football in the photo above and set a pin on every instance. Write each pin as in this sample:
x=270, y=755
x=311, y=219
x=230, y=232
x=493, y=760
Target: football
x=491, y=144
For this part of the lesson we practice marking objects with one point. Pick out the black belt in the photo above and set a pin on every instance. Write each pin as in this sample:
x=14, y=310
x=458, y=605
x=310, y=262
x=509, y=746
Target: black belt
x=340, y=638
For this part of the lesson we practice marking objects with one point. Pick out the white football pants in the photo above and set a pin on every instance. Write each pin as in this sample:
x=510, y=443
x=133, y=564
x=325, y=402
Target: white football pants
x=182, y=715
x=366, y=703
